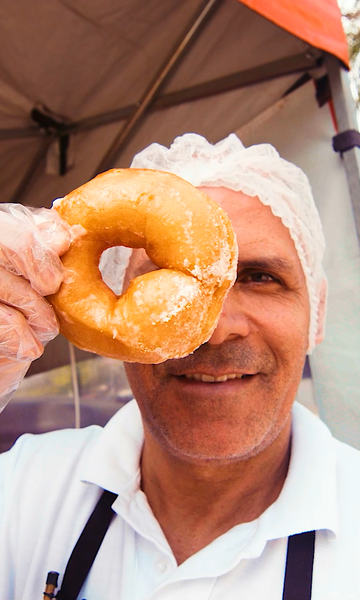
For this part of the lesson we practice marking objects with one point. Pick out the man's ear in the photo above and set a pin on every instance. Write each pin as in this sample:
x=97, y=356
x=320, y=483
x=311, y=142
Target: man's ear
x=322, y=292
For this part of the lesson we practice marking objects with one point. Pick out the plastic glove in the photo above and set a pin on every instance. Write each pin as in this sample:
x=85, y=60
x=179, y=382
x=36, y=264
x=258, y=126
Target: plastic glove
x=31, y=242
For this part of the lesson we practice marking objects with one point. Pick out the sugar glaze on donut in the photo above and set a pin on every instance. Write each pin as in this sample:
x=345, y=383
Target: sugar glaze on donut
x=168, y=312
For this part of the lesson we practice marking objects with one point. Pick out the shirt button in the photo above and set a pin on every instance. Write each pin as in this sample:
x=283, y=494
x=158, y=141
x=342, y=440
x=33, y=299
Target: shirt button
x=161, y=565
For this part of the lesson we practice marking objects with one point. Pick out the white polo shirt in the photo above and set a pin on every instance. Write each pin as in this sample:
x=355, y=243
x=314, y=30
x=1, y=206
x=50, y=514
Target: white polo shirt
x=50, y=484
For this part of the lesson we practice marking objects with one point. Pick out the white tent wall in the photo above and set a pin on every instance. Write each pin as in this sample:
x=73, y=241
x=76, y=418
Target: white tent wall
x=302, y=132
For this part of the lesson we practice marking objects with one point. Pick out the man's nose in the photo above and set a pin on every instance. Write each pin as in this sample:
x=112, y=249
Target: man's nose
x=233, y=322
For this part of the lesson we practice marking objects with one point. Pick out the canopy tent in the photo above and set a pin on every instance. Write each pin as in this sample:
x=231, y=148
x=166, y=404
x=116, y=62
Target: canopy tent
x=317, y=23
x=85, y=85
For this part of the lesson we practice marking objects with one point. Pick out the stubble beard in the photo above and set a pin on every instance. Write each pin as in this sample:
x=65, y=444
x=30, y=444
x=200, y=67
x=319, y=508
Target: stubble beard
x=194, y=438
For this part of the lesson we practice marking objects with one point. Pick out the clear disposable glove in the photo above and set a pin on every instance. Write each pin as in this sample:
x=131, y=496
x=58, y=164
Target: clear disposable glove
x=31, y=241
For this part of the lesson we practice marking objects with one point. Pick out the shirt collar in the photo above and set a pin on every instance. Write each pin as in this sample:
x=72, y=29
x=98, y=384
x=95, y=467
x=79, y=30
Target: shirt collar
x=114, y=462
x=307, y=501
x=114, y=465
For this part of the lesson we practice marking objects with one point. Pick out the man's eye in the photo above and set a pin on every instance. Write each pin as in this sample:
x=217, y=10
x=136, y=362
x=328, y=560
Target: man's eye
x=258, y=277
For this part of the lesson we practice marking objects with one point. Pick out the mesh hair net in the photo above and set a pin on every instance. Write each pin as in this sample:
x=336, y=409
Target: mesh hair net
x=255, y=171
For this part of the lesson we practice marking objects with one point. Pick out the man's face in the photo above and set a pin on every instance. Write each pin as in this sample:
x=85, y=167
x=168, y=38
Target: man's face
x=232, y=397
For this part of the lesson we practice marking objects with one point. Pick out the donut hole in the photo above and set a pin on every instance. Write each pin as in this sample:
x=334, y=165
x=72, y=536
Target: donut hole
x=112, y=266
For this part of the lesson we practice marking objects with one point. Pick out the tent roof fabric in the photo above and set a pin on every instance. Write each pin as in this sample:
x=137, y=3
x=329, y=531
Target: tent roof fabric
x=92, y=65
x=318, y=23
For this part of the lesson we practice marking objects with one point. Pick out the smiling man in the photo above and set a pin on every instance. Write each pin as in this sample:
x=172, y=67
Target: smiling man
x=220, y=419
x=223, y=413
x=255, y=356
x=221, y=486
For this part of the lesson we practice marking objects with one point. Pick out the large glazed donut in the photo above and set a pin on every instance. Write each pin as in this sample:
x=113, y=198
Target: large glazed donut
x=166, y=313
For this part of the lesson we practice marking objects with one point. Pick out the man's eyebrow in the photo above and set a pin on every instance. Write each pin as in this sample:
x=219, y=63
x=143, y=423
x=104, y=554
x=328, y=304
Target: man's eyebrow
x=266, y=264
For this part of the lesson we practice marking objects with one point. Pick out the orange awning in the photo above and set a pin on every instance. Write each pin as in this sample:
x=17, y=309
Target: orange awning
x=317, y=22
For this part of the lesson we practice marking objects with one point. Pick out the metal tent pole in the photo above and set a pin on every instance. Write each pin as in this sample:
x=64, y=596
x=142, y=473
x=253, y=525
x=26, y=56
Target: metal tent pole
x=344, y=107
x=151, y=92
x=298, y=63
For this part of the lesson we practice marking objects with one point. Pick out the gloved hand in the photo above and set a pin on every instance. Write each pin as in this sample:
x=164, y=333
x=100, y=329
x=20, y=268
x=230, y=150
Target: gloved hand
x=31, y=242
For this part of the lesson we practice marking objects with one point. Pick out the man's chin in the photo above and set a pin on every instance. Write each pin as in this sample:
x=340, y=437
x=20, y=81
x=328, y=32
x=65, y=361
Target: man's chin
x=204, y=444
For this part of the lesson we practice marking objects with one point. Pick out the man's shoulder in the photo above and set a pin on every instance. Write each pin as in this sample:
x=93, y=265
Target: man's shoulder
x=347, y=458
x=310, y=425
x=346, y=451
x=48, y=453
x=54, y=441
x=70, y=455
x=347, y=473
x=322, y=451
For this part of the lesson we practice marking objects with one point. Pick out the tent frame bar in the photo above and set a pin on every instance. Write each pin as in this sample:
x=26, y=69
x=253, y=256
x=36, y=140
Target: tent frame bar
x=272, y=70
x=298, y=63
x=344, y=108
x=168, y=68
x=201, y=16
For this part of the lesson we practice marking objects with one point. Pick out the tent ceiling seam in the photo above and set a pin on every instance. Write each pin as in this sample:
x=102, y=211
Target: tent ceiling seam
x=169, y=66
x=298, y=63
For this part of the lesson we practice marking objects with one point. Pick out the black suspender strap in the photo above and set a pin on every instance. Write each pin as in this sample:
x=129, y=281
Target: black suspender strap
x=298, y=570
x=299, y=566
x=86, y=548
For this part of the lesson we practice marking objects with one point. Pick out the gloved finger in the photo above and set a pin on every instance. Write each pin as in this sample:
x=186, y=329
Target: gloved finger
x=53, y=229
x=12, y=373
x=18, y=293
x=17, y=340
x=26, y=249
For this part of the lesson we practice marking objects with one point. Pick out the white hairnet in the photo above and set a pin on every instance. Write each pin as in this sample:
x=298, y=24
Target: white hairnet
x=255, y=171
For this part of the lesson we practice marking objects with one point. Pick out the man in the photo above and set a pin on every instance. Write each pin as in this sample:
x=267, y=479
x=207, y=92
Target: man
x=217, y=470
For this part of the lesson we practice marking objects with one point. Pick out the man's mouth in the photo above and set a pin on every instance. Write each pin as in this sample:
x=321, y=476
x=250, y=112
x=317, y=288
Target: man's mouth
x=211, y=379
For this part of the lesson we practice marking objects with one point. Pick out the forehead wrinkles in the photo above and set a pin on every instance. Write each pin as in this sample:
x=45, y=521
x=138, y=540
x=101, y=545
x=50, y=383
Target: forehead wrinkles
x=247, y=212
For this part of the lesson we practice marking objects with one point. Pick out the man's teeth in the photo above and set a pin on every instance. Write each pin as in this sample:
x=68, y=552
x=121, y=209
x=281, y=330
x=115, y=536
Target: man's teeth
x=211, y=379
